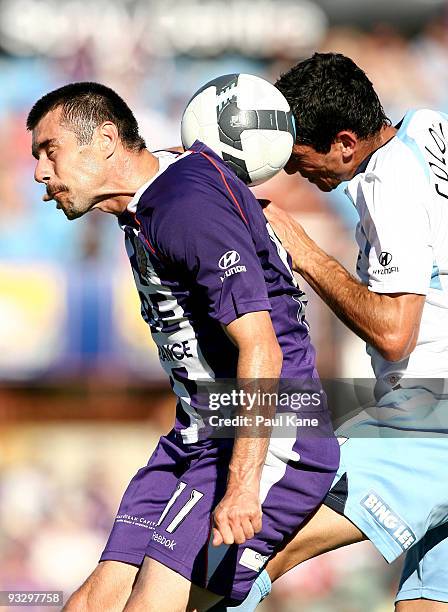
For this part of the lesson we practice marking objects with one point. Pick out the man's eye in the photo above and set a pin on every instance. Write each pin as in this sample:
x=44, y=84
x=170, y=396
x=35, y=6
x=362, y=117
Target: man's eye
x=50, y=153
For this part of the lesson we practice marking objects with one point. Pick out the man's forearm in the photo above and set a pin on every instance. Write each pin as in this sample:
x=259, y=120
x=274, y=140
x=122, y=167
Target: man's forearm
x=258, y=373
x=388, y=322
x=374, y=317
x=238, y=515
x=247, y=462
x=352, y=302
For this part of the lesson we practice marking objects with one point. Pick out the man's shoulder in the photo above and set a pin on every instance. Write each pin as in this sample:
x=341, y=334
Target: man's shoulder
x=191, y=172
x=404, y=161
x=412, y=133
x=403, y=157
x=198, y=182
x=418, y=119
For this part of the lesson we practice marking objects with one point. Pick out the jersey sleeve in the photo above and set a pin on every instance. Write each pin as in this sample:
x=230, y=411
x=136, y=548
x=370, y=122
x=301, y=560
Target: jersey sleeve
x=397, y=228
x=211, y=242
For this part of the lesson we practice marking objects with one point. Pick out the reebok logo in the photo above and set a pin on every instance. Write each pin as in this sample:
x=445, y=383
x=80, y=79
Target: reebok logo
x=161, y=539
x=388, y=520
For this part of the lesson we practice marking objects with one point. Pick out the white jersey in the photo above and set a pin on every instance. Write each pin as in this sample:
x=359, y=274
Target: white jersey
x=401, y=194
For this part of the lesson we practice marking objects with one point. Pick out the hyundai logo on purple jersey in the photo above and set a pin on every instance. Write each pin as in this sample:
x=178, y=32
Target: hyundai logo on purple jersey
x=229, y=259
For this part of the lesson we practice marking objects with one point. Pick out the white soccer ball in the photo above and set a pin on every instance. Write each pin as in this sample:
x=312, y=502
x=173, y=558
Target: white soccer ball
x=246, y=121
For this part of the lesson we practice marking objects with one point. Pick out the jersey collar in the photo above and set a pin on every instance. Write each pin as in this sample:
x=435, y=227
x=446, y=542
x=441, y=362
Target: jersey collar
x=365, y=162
x=166, y=158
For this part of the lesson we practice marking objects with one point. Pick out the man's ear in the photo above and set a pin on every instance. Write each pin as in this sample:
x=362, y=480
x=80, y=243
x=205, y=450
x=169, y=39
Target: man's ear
x=108, y=137
x=348, y=141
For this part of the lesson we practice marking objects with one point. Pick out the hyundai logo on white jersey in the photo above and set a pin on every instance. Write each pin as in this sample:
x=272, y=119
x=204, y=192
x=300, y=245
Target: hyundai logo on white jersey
x=229, y=259
x=385, y=258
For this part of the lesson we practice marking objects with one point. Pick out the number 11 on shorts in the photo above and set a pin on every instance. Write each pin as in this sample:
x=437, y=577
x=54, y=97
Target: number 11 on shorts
x=195, y=496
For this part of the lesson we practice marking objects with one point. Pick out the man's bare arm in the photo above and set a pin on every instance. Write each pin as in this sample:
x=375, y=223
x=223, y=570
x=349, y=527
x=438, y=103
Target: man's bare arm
x=389, y=322
x=238, y=516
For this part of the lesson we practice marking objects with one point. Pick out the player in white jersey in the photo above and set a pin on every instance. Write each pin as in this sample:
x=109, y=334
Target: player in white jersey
x=391, y=487
x=401, y=195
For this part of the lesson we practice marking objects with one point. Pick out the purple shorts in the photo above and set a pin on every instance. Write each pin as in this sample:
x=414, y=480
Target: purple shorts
x=166, y=510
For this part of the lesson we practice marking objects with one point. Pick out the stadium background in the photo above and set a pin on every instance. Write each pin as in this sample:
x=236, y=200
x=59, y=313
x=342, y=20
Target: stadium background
x=82, y=397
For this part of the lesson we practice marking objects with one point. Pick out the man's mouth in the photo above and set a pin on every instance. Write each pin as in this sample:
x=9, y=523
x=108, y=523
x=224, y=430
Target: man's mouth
x=47, y=197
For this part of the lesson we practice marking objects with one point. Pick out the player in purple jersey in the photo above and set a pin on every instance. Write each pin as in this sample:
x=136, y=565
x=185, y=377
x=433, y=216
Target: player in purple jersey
x=219, y=297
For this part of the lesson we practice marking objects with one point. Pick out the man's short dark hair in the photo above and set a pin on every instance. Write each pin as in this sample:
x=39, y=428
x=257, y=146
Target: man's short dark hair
x=85, y=106
x=328, y=93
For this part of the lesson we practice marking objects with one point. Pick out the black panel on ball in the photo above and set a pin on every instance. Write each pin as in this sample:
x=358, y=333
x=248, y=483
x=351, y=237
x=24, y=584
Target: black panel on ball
x=232, y=122
x=221, y=83
x=238, y=166
x=282, y=121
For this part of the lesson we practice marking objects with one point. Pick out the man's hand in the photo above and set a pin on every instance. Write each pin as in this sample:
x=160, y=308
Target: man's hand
x=290, y=233
x=237, y=517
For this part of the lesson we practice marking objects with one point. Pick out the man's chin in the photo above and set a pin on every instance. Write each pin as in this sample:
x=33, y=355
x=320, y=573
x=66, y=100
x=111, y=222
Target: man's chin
x=320, y=184
x=73, y=214
x=324, y=187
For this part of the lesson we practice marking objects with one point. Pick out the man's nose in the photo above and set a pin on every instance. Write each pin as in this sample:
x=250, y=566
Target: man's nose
x=42, y=172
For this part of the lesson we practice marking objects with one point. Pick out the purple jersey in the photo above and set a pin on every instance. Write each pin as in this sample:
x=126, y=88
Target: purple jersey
x=202, y=255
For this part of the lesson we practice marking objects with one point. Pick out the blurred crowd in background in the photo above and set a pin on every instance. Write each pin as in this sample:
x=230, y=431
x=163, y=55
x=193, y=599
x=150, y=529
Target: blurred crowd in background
x=68, y=309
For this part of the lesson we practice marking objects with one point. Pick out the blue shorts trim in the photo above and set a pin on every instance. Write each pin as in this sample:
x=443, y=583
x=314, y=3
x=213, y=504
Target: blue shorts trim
x=432, y=594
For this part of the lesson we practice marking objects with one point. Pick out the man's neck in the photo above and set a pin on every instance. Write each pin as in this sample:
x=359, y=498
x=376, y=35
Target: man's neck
x=131, y=171
x=367, y=147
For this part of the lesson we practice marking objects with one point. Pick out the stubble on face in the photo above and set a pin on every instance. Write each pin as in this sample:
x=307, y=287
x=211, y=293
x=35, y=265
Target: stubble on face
x=320, y=169
x=69, y=170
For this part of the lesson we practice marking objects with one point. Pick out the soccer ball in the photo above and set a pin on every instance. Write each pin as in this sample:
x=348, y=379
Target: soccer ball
x=246, y=121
